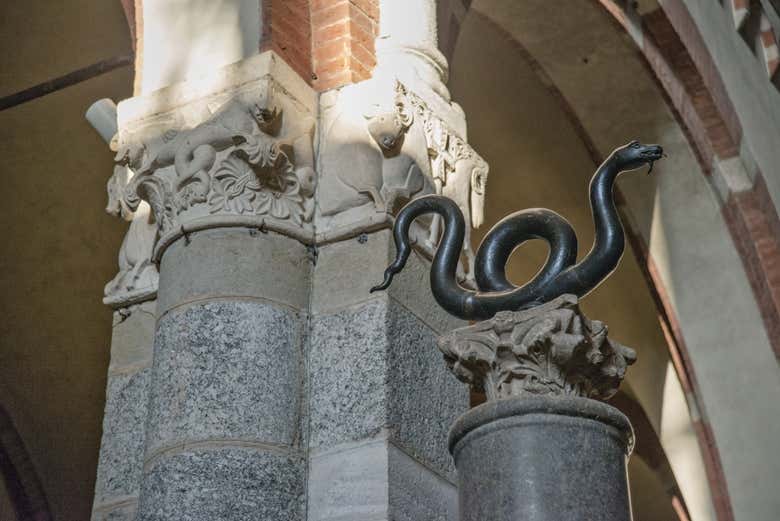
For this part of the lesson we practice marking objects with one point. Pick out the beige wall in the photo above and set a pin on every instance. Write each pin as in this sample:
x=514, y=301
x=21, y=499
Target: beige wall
x=59, y=247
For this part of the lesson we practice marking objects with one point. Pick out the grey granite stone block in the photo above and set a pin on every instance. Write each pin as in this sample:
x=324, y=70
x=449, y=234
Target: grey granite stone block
x=226, y=370
x=416, y=492
x=424, y=398
x=127, y=511
x=376, y=481
x=347, y=375
x=231, y=262
x=225, y=484
x=122, y=447
x=376, y=367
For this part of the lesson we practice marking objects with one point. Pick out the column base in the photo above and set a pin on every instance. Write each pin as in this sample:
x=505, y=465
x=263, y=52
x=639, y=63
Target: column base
x=542, y=459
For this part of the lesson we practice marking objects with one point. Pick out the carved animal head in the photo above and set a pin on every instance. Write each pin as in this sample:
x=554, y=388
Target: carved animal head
x=131, y=155
x=635, y=155
x=307, y=179
x=387, y=129
x=116, y=191
x=268, y=121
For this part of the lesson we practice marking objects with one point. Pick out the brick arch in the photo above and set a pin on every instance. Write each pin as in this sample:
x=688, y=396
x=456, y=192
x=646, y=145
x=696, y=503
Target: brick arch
x=17, y=471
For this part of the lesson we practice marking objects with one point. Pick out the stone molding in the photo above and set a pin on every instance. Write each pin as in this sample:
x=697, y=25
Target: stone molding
x=552, y=349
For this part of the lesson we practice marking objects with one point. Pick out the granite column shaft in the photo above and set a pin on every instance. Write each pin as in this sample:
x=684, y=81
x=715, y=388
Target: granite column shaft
x=224, y=431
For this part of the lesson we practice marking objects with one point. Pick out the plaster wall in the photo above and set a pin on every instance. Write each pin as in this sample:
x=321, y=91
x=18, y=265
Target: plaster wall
x=184, y=39
x=43, y=39
x=59, y=249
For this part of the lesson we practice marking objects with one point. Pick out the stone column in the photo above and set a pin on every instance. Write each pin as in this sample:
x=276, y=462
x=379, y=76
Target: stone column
x=224, y=432
x=541, y=448
x=225, y=163
x=380, y=399
x=407, y=47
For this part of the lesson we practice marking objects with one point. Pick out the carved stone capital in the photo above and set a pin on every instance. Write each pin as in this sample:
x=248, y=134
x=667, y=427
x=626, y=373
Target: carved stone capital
x=552, y=349
x=383, y=144
x=235, y=152
x=237, y=149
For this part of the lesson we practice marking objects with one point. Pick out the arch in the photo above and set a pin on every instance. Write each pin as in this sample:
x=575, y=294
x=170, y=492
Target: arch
x=21, y=480
x=700, y=343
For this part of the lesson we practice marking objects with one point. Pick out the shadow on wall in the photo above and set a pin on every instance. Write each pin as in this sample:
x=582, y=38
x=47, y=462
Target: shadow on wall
x=184, y=39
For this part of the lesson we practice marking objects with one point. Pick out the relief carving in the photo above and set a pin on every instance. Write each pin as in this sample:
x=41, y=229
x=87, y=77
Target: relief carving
x=552, y=349
x=236, y=163
x=378, y=155
x=137, y=278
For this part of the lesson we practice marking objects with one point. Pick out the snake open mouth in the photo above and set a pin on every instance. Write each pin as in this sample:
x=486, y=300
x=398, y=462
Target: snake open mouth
x=651, y=155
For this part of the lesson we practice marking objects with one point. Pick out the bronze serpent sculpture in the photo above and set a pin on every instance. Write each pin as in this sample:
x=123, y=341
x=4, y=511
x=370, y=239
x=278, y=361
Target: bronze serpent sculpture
x=560, y=275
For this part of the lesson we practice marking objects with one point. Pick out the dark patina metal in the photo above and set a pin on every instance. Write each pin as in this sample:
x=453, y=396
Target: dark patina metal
x=560, y=275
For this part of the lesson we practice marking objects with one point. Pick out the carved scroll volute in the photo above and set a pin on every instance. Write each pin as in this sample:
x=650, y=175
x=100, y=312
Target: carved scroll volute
x=552, y=349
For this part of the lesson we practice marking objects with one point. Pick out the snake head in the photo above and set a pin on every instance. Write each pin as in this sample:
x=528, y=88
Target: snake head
x=635, y=155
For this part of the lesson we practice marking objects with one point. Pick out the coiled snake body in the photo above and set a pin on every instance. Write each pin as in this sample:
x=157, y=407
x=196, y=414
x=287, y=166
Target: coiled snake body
x=560, y=275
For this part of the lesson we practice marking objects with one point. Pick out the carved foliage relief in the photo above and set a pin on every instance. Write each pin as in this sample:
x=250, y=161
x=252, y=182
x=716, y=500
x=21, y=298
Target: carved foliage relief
x=552, y=349
x=236, y=163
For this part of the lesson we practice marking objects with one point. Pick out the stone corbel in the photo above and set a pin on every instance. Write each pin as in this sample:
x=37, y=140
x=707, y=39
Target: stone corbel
x=549, y=350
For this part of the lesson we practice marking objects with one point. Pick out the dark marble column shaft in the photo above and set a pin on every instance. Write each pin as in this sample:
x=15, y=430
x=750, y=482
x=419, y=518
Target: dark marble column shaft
x=542, y=459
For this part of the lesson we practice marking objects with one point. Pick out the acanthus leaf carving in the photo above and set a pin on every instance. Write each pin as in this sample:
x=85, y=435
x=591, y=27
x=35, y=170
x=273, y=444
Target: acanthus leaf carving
x=234, y=164
x=552, y=349
x=259, y=178
x=457, y=171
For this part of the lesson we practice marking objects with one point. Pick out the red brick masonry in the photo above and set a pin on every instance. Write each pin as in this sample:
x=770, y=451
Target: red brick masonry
x=343, y=34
